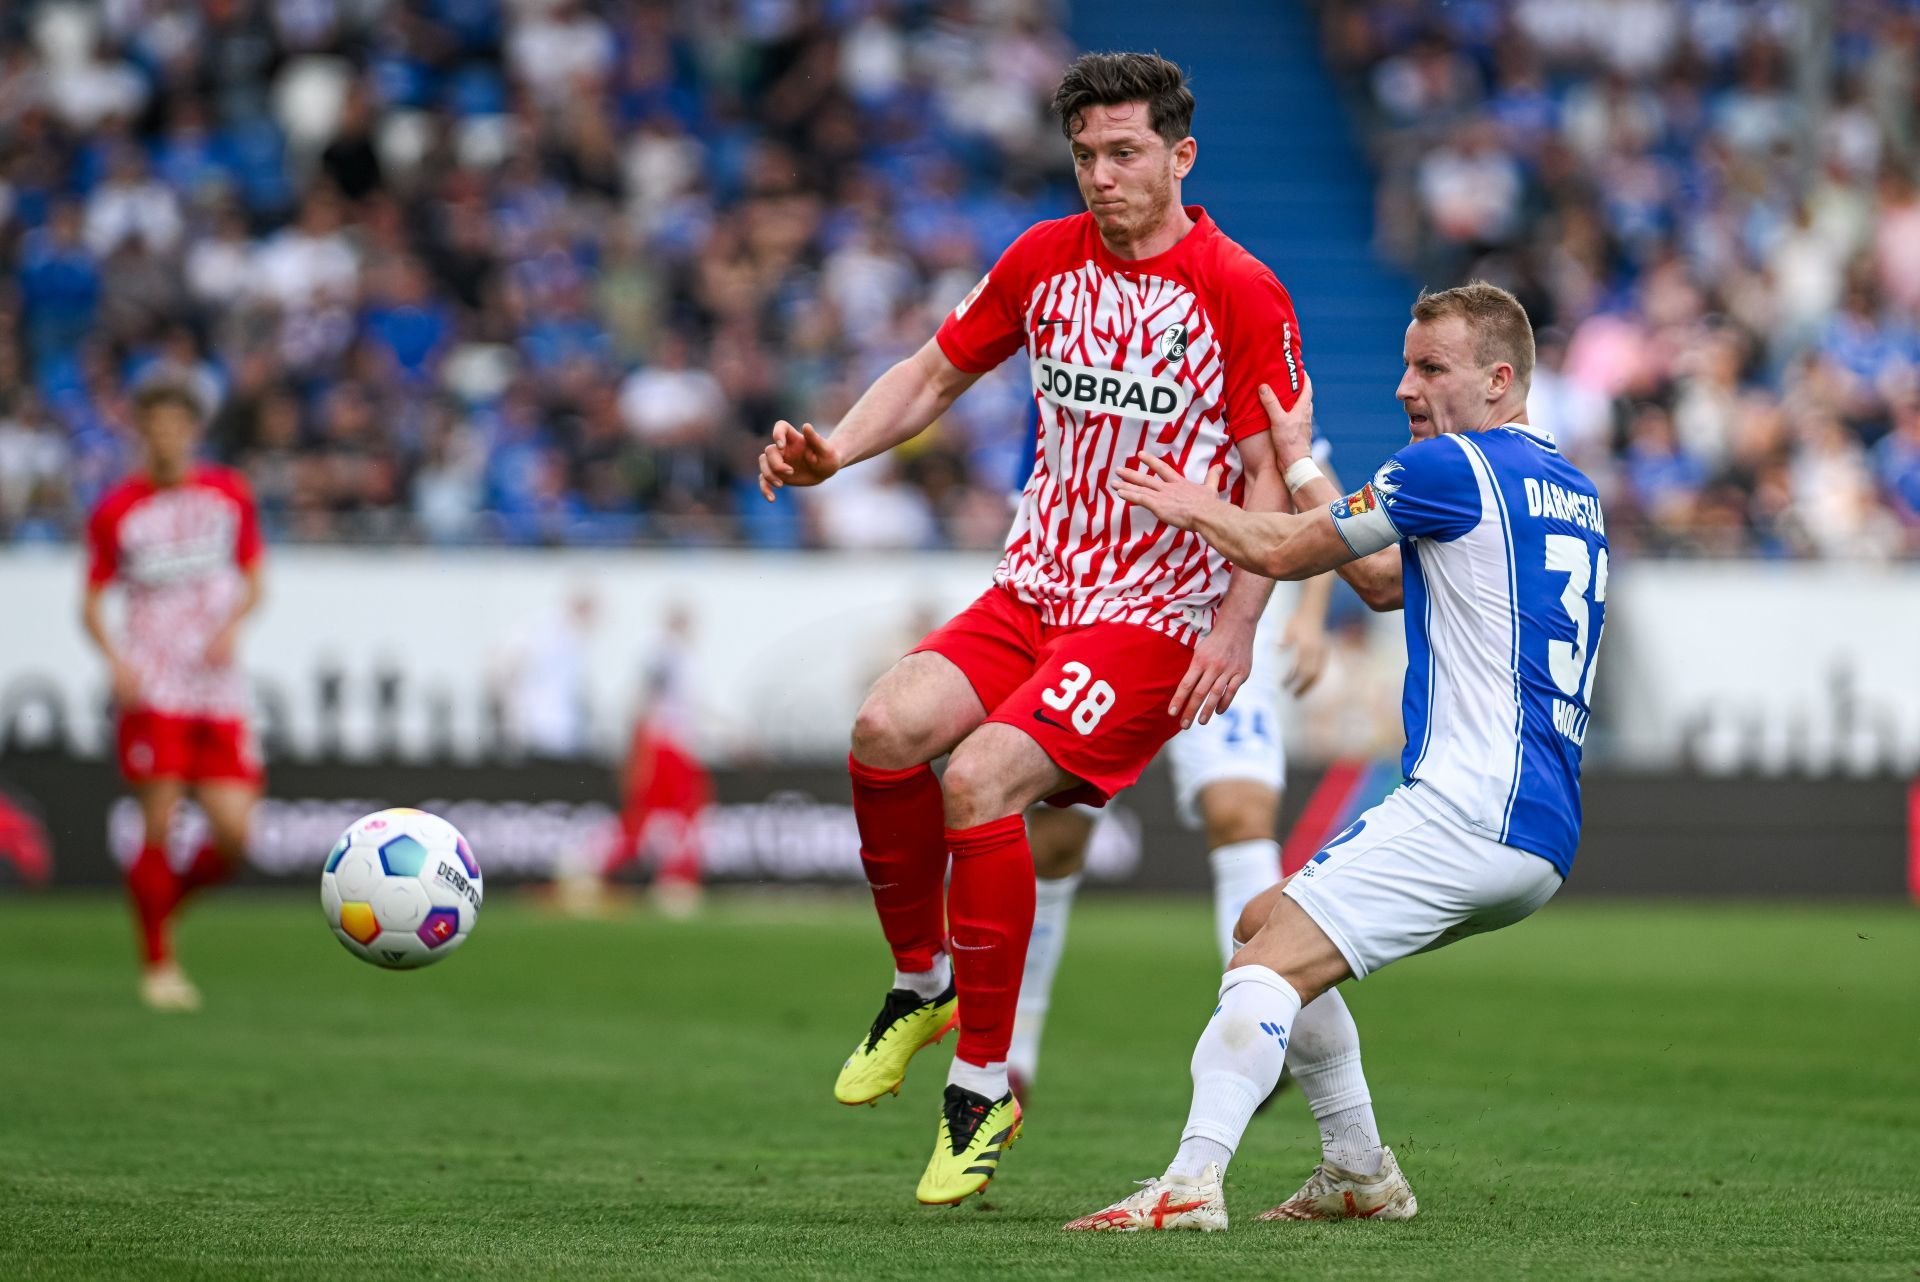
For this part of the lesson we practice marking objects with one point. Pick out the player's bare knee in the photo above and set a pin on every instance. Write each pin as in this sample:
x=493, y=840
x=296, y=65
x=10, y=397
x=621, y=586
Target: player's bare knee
x=1292, y=945
x=158, y=801
x=1236, y=810
x=973, y=789
x=1235, y=825
x=881, y=738
x=229, y=842
x=1254, y=917
x=1059, y=844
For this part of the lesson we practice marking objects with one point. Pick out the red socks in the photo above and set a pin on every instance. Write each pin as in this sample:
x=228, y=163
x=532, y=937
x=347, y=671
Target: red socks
x=155, y=891
x=207, y=869
x=990, y=908
x=904, y=844
x=903, y=847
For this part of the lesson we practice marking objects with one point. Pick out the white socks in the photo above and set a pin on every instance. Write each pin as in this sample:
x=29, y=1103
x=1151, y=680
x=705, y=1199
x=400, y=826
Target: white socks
x=989, y=1080
x=1325, y=1059
x=1052, y=905
x=1240, y=871
x=926, y=984
x=1235, y=1065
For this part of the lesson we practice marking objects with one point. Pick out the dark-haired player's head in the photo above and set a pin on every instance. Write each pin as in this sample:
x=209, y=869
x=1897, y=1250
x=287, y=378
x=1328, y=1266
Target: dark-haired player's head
x=168, y=417
x=1469, y=357
x=1128, y=118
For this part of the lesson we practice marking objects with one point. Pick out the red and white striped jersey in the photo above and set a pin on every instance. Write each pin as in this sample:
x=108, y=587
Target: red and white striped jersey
x=179, y=552
x=1163, y=354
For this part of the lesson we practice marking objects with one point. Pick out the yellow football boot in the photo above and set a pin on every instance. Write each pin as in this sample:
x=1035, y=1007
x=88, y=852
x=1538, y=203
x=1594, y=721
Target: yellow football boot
x=974, y=1131
x=906, y=1023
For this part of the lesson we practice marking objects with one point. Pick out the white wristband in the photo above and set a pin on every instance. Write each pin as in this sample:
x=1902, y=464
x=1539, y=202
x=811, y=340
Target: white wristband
x=1302, y=470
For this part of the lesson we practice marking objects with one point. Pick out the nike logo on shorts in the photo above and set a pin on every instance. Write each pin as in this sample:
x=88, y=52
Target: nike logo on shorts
x=1044, y=718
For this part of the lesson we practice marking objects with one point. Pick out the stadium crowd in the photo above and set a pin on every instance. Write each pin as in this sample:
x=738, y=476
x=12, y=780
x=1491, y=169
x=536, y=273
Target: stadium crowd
x=543, y=271
x=1727, y=283
x=533, y=271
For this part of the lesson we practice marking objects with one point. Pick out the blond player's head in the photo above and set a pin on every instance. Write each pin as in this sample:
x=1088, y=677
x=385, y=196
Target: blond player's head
x=1128, y=118
x=167, y=416
x=1469, y=360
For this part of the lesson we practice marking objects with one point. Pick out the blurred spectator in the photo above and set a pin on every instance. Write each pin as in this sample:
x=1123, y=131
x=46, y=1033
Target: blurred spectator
x=542, y=271
x=1897, y=463
x=410, y=252
x=130, y=204
x=877, y=511
x=36, y=502
x=1722, y=257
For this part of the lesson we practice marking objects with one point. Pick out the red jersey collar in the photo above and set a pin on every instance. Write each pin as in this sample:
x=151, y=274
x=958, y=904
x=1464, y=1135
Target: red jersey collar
x=1202, y=229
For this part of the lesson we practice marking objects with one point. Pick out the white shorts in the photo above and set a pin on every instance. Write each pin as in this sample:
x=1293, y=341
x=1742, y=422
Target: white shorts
x=1241, y=743
x=1407, y=876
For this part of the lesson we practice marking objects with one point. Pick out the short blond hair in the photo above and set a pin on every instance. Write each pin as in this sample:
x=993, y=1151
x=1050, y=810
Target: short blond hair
x=1501, y=330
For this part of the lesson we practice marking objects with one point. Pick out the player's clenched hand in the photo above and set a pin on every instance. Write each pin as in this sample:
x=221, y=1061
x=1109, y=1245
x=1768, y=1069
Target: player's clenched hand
x=1220, y=665
x=1158, y=486
x=1310, y=649
x=796, y=456
x=1292, y=429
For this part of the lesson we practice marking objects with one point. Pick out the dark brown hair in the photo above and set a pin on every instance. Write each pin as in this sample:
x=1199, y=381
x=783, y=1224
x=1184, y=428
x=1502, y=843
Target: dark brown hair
x=1109, y=79
x=1501, y=330
x=153, y=395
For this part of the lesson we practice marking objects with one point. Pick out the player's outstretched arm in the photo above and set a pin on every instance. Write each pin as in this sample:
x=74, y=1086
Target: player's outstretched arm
x=1375, y=578
x=1279, y=545
x=899, y=406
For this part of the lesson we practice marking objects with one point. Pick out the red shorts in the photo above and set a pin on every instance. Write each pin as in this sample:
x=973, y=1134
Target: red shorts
x=159, y=745
x=675, y=783
x=1093, y=697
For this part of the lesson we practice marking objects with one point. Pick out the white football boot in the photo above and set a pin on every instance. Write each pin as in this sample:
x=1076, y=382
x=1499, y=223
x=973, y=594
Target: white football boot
x=1332, y=1193
x=1169, y=1202
x=165, y=986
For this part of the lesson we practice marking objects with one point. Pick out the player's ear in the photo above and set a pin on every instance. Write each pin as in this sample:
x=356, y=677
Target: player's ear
x=1184, y=154
x=1498, y=381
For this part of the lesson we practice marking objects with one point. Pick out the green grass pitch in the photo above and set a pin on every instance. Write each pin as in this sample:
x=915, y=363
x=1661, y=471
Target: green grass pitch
x=1606, y=1091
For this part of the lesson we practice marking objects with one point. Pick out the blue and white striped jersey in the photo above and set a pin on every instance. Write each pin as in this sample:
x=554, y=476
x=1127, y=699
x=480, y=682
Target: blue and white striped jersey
x=1504, y=557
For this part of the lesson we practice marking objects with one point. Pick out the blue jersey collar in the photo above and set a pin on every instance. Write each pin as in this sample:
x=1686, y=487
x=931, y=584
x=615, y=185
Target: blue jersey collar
x=1539, y=434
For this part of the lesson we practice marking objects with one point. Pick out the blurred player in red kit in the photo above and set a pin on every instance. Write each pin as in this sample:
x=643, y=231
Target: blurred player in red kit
x=1147, y=331
x=665, y=788
x=183, y=540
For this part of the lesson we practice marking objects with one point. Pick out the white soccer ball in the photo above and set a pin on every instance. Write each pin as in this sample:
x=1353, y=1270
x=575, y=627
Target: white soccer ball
x=401, y=888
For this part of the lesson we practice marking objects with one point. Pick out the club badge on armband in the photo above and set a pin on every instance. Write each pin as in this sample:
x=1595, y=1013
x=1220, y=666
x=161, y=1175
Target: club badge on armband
x=1358, y=503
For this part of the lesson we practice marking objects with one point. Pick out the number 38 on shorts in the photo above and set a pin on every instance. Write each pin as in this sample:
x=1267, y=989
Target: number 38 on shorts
x=1083, y=698
x=1093, y=696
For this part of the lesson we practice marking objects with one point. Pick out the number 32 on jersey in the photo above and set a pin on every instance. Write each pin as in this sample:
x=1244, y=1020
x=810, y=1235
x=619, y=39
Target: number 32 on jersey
x=1573, y=663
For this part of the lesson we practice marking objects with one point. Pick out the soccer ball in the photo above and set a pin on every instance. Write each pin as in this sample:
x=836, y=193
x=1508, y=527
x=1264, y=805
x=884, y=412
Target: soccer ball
x=401, y=889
